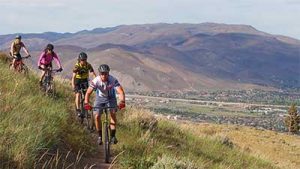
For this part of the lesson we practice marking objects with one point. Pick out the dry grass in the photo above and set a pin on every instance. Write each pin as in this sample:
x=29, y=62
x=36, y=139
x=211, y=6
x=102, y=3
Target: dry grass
x=147, y=141
x=280, y=148
x=32, y=124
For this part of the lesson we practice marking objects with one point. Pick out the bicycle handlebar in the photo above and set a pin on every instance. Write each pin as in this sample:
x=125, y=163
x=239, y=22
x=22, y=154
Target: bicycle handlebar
x=56, y=70
x=106, y=107
x=52, y=70
x=22, y=57
x=26, y=57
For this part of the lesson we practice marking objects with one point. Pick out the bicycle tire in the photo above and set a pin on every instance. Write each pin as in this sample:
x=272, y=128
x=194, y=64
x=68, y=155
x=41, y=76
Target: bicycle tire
x=93, y=127
x=88, y=120
x=50, y=88
x=86, y=112
x=106, y=143
x=81, y=108
x=10, y=66
x=52, y=83
x=45, y=84
x=24, y=70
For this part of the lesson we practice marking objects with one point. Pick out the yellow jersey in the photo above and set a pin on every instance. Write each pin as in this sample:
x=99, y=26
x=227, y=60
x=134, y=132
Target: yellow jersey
x=82, y=70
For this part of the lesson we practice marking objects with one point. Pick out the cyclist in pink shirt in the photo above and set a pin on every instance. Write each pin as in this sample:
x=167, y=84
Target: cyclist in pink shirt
x=45, y=60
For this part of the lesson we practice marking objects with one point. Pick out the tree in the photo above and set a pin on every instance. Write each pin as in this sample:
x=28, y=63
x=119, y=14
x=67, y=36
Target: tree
x=292, y=121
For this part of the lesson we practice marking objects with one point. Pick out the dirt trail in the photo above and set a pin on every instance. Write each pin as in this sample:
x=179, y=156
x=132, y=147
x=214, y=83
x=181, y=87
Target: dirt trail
x=98, y=161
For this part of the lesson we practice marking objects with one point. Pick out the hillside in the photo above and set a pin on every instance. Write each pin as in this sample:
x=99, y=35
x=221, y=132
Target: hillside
x=279, y=148
x=180, y=56
x=38, y=130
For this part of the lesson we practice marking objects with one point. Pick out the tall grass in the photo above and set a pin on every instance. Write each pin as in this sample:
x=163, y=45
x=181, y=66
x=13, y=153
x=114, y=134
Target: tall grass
x=32, y=124
x=150, y=143
x=38, y=132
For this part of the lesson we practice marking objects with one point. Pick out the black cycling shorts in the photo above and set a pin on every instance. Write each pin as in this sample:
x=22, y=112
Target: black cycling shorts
x=18, y=57
x=81, y=84
x=48, y=65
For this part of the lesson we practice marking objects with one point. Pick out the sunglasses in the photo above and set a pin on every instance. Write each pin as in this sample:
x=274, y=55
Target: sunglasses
x=104, y=74
x=82, y=59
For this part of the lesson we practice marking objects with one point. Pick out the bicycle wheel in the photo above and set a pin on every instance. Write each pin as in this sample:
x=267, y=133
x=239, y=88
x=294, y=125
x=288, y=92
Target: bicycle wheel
x=24, y=70
x=45, y=84
x=49, y=87
x=52, y=87
x=87, y=119
x=10, y=66
x=90, y=120
x=81, y=109
x=92, y=123
x=106, y=144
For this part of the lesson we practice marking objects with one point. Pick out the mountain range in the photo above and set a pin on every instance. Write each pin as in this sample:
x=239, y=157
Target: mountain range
x=178, y=56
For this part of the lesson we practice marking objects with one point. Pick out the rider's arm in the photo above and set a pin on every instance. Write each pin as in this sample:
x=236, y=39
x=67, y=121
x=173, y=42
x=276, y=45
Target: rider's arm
x=121, y=93
x=75, y=71
x=92, y=71
x=40, y=58
x=73, y=80
x=12, y=49
x=94, y=74
x=92, y=87
x=87, y=95
x=25, y=49
x=57, y=60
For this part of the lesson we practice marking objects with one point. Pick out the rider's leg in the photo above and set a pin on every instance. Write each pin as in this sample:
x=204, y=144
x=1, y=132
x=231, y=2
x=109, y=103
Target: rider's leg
x=15, y=58
x=14, y=63
x=98, y=126
x=43, y=73
x=77, y=97
x=98, y=123
x=113, y=122
x=77, y=100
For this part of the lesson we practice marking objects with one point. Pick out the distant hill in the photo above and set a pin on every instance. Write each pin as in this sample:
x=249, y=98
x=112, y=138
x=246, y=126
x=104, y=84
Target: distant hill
x=180, y=56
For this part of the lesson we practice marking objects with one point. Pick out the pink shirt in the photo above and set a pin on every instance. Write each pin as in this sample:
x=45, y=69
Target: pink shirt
x=46, y=59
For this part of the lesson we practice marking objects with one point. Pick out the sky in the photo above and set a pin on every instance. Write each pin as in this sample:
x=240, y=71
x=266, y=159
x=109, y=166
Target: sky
x=280, y=17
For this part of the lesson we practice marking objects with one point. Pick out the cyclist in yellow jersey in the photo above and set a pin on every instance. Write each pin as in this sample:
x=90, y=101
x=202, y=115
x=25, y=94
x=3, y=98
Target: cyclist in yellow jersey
x=15, y=49
x=80, y=77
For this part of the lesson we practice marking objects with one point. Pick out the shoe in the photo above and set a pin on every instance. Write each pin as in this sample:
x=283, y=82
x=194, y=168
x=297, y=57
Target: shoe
x=79, y=114
x=99, y=141
x=113, y=140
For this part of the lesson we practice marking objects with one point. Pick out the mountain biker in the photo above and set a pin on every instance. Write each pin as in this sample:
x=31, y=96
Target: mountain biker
x=105, y=86
x=80, y=77
x=15, y=49
x=45, y=61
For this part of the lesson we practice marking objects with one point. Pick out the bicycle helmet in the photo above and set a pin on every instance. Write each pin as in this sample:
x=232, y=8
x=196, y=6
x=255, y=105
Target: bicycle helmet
x=18, y=37
x=50, y=47
x=104, y=68
x=82, y=56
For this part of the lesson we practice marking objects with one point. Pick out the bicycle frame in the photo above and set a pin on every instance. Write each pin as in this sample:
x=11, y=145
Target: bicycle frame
x=19, y=66
x=48, y=84
x=89, y=118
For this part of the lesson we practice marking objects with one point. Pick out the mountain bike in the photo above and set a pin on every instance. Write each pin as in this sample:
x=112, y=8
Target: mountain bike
x=106, y=129
x=86, y=116
x=19, y=66
x=47, y=83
